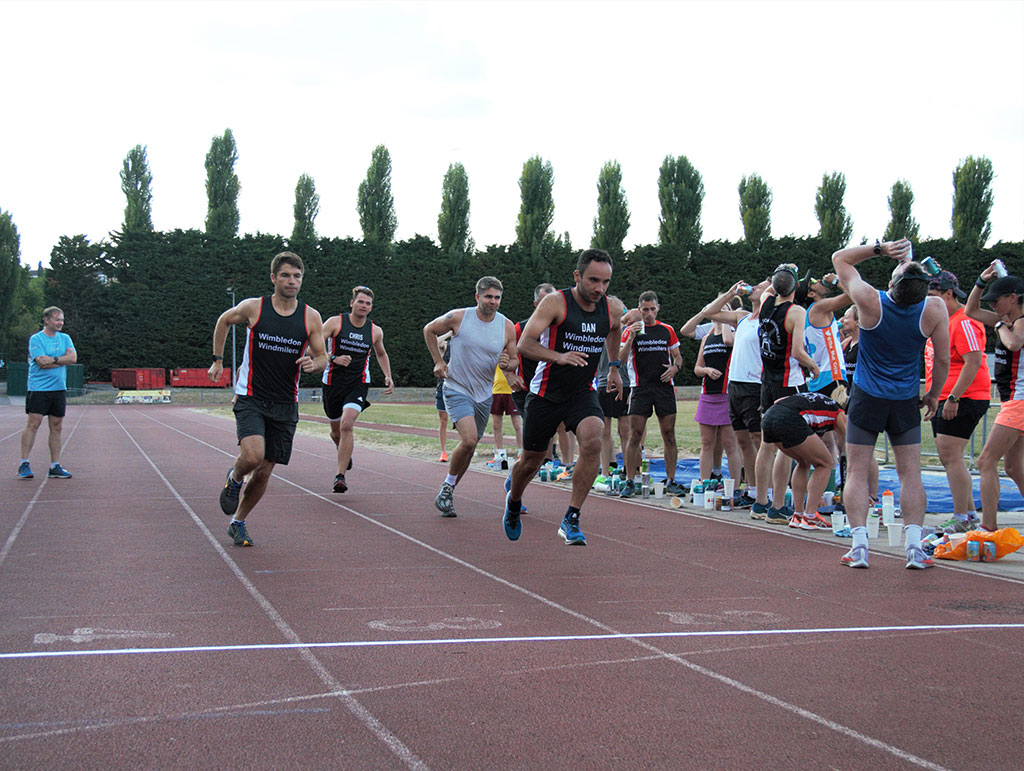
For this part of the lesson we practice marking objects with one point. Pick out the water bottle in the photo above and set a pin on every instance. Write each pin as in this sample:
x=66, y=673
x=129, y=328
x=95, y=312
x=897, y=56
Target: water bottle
x=789, y=498
x=888, y=507
x=1000, y=268
x=931, y=266
x=697, y=491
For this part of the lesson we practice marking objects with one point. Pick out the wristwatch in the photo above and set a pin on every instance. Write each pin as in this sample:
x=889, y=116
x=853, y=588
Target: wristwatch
x=999, y=325
x=954, y=399
x=878, y=247
x=615, y=363
x=217, y=358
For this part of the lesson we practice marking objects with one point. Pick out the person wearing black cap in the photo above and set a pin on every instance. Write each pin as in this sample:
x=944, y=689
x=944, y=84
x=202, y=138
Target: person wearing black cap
x=895, y=324
x=1006, y=439
x=963, y=400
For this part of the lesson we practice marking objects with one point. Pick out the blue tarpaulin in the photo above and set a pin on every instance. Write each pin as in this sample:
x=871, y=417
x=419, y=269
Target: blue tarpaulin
x=936, y=486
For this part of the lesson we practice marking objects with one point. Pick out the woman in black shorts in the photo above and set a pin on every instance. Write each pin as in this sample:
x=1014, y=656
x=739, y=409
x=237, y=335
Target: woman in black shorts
x=794, y=424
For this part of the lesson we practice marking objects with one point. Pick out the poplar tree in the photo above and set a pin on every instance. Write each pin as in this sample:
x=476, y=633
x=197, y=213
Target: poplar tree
x=137, y=183
x=901, y=223
x=222, y=187
x=375, y=204
x=307, y=207
x=681, y=193
x=453, y=220
x=612, y=221
x=972, y=201
x=536, y=210
x=836, y=227
x=10, y=267
x=755, y=210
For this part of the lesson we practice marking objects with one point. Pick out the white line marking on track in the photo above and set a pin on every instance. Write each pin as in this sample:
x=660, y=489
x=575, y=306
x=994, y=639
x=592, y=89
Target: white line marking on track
x=544, y=638
x=636, y=640
x=361, y=713
x=31, y=504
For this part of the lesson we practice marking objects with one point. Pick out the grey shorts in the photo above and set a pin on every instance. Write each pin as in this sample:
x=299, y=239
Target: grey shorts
x=459, y=405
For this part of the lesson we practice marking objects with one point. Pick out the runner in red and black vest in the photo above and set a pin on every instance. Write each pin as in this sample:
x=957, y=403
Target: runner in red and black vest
x=349, y=337
x=566, y=334
x=284, y=339
x=650, y=356
x=781, y=334
x=795, y=425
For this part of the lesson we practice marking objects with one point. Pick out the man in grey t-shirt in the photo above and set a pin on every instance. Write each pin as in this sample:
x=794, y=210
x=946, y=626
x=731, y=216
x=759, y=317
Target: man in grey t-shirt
x=481, y=339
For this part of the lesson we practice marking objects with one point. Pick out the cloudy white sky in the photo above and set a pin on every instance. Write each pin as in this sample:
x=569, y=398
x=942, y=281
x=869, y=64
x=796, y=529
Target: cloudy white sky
x=879, y=91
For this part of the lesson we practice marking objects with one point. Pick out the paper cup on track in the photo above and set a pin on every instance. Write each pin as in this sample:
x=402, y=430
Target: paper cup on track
x=675, y=501
x=895, y=533
x=659, y=489
x=873, y=523
x=730, y=487
x=838, y=521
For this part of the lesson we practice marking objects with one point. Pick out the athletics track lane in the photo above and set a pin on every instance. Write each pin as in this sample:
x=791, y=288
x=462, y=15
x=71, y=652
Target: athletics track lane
x=115, y=551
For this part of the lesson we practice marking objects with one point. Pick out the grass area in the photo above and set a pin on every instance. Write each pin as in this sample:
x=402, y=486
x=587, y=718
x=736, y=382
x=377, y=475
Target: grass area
x=425, y=416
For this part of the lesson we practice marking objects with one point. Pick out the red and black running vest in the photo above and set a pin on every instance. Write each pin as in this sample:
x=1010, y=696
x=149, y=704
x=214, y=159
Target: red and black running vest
x=272, y=346
x=581, y=331
x=350, y=341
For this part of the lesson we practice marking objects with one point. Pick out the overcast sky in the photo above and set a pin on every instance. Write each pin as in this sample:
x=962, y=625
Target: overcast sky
x=879, y=91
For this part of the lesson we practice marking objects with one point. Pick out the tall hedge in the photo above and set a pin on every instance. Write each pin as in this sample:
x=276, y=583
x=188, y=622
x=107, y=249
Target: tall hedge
x=151, y=299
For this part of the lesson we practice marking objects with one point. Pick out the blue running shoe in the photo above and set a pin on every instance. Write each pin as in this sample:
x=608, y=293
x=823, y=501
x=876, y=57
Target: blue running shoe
x=25, y=471
x=58, y=472
x=513, y=524
x=508, y=482
x=239, y=534
x=570, y=531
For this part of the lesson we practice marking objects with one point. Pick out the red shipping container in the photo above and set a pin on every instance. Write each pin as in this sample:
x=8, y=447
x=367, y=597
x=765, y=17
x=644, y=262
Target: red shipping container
x=198, y=378
x=141, y=378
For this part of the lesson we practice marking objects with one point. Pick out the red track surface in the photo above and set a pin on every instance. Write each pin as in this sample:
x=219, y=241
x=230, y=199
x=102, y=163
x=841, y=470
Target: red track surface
x=132, y=552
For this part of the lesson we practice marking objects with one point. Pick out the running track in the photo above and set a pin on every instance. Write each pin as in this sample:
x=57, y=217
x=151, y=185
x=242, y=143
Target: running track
x=365, y=631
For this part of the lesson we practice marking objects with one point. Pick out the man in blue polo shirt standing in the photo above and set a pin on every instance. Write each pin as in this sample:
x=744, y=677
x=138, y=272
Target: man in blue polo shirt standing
x=49, y=353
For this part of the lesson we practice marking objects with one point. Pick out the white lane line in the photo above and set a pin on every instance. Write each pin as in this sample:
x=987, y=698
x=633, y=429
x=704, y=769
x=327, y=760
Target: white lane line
x=361, y=713
x=723, y=679
x=556, y=638
x=9, y=543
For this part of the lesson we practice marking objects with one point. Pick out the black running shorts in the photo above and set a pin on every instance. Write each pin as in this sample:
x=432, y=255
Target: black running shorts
x=337, y=397
x=644, y=400
x=274, y=421
x=543, y=417
x=52, y=403
x=968, y=415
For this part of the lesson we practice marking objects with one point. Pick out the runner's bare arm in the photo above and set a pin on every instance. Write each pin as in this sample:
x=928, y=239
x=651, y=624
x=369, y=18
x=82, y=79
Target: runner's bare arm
x=316, y=359
x=862, y=293
x=796, y=317
x=246, y=312
x=510, y=369
x=821, y=312
x=616, y=311
x=973, y=308
x=551, y=310
x=442, y=325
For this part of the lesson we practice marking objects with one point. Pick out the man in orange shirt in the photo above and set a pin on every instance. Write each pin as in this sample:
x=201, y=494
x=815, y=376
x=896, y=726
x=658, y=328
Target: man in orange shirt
x=964, y=398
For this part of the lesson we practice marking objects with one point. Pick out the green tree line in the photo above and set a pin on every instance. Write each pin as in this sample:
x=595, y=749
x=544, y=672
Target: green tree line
x=150, y=299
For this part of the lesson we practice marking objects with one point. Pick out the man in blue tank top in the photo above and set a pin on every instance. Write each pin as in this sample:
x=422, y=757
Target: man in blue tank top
x=481, y=339
x=284, y=338
x=894, y=327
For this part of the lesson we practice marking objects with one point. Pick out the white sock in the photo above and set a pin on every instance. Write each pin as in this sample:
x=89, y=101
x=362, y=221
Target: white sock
x=717, y=470
x=961, y=517
x=913, y=535
x=860, y=536
x=752, y=491
x=233, y=520
x=451, y=479
x=55, y=464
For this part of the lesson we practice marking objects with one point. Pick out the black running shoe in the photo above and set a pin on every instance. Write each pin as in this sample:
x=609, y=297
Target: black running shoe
x=240, y=535
x=339, y=484
x=443, y=501
x=229, y=495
